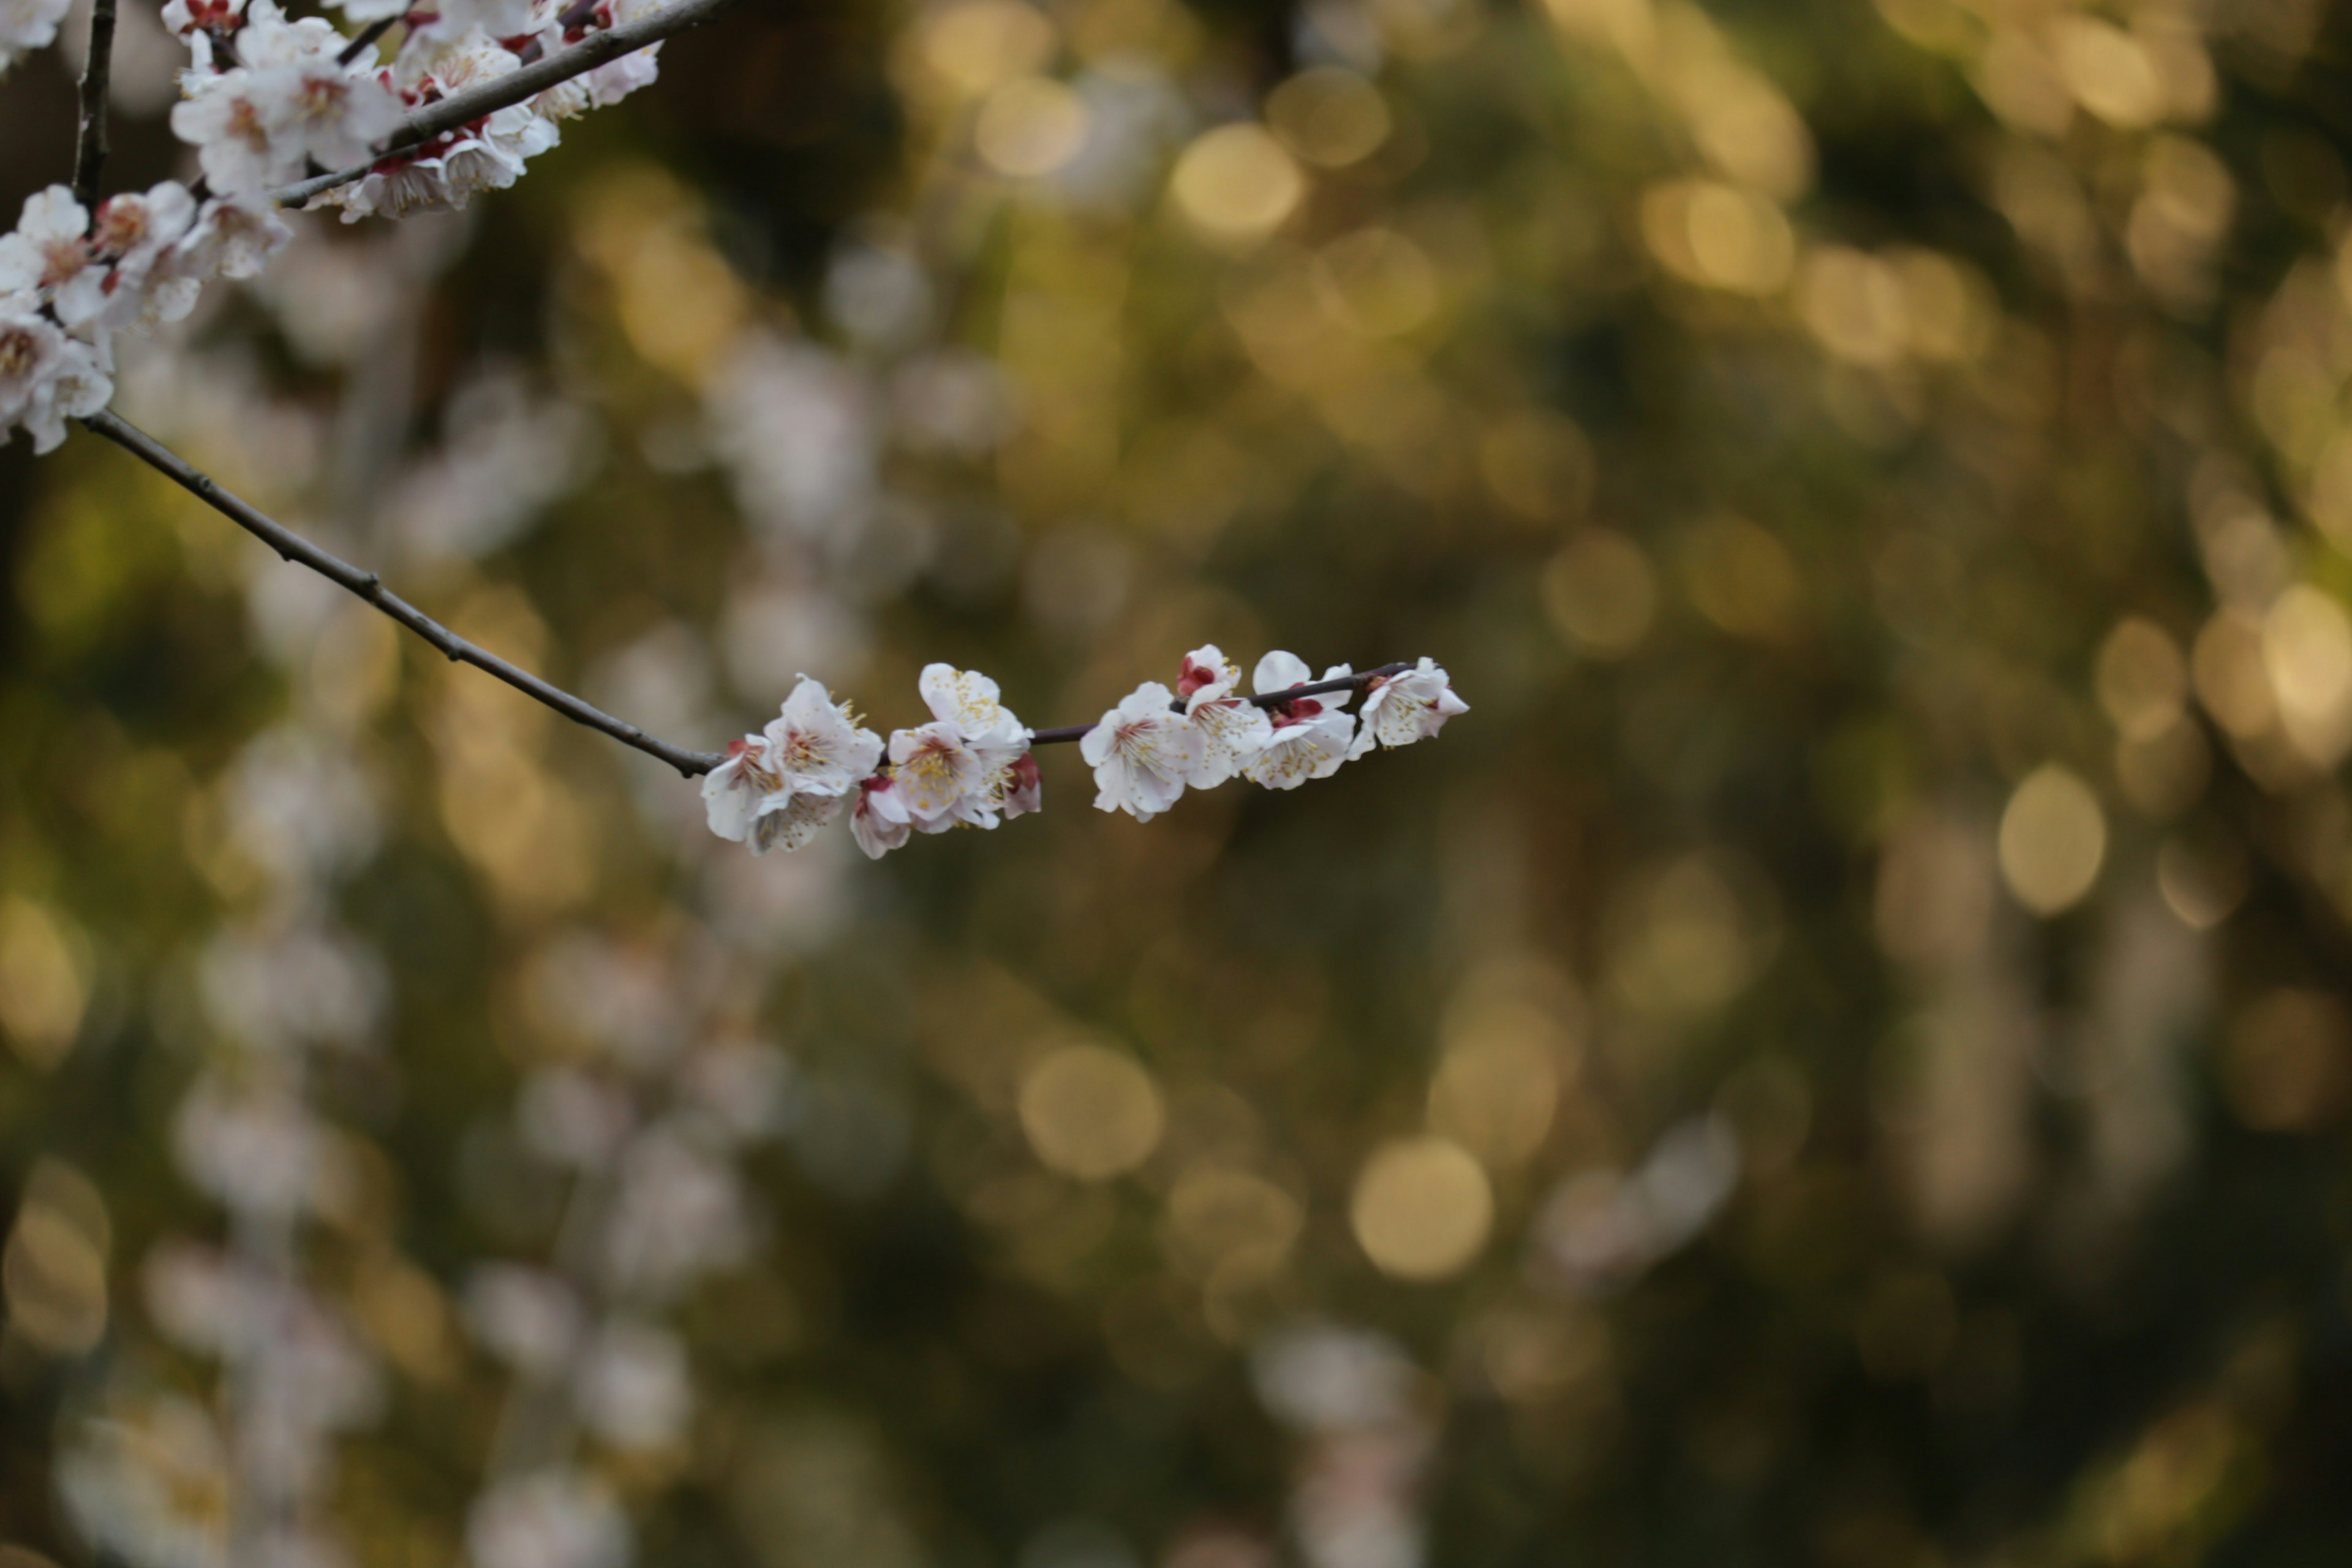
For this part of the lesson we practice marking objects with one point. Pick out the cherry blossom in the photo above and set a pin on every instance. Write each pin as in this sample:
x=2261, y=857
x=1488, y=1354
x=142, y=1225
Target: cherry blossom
x=290, y=103
x=27, y=25
x=1024, y=787
x=960, y=767
x=46, y=377
x=816, y=746
x=797, y=771
x=448, y=171
x=941, y=779
x=48, y=255
x=1401, y=708
x=186, y=16
x=971, y=702
x=1233, y=729
x=1142, y=753
x=1310, y=735
x=879, y=819
x=736, y=790
x=134, y=232
x=794, y=823
x=78, y=383
x=232, y=236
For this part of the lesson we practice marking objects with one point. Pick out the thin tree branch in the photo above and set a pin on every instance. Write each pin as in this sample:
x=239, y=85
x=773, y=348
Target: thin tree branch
x=463, y=109
x=292, y=546
x=90, y=155
x=1356, y=683
x=366, y=37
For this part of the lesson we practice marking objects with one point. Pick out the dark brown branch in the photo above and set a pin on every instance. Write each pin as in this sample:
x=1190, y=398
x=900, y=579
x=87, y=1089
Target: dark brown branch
x=90, y=155
x=292, y=546
x=463, y=109
x=1356, y=683
x=366, y=37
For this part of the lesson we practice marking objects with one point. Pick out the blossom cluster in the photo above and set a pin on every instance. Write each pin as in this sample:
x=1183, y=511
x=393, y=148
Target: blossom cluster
x=970, y=767
x=70, y=278
x=267, y=99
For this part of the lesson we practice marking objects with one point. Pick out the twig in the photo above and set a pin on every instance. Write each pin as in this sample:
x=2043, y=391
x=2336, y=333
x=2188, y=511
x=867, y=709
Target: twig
x=89, y=154
x=366, y=37
x=1356, y=683
x=463, y=109
x=292, y=546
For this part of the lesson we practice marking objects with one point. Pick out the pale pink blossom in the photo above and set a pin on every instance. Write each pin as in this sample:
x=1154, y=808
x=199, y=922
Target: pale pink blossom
x=1233, y=729
x=879, y=820
x=1310, y=735
x=1410, y=706
x=1142, y=753
x=1024, y=787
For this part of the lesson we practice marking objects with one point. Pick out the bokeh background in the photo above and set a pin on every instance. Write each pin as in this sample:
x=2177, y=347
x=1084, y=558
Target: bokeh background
x=1841, y=1058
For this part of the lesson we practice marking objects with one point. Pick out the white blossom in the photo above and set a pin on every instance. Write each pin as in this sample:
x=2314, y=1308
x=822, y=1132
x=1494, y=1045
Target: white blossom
x=31, y=348
x=550, y=1518
x=632, y=1386
x=940, y=779
x=46, y=377
x=290, y=103
x=133, y=236
x=681, y=1212
x=1407, y=707
x=494, y=18
x=232, y=236
x=1233, y=729
x=971, y=702
x=1310, y=735
x=1142, y=753
x=447, y=172
x=817, y=747
x=527, y=1318
x=795, y=824
x=776, y=789
x=879, y=820
x=736, y=790
x=27, y=25
x=49, y=256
